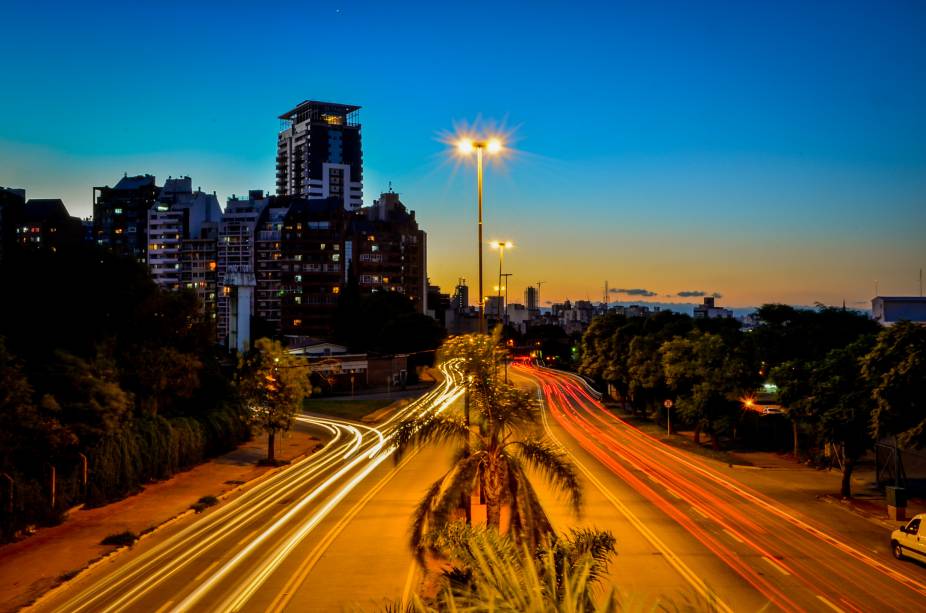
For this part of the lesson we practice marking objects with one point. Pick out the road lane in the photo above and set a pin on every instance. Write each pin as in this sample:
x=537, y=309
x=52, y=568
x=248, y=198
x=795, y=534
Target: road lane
x=223, y=558
x=791, y=560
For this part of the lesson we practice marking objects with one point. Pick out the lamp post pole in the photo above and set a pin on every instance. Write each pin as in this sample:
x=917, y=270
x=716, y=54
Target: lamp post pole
x=482, y=306
x=501, y=260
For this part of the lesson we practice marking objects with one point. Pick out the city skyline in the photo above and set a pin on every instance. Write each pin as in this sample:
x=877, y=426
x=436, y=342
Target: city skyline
x=760, y=170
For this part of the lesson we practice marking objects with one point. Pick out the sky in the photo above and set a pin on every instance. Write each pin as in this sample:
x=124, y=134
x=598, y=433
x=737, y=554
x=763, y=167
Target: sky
x=762, y=151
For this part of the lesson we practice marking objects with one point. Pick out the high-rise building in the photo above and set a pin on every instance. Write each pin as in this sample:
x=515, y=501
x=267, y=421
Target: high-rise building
x=182, y=234
x=236, y=257
x=120, y=215
x=268, y=260
x=388, y=252
x=461, y=297
x=312, y=268
x=319, y=154
x=530, y=297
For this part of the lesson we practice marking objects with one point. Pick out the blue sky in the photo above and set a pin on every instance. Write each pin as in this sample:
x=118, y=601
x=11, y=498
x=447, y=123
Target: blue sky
x=768, y=151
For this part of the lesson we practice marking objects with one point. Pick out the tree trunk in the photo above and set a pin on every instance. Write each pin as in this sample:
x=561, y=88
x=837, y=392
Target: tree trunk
x=847, y=477
x=697, y=434
x=271, y=455
x=492, y=489
x=796, y=446
x=715, y=440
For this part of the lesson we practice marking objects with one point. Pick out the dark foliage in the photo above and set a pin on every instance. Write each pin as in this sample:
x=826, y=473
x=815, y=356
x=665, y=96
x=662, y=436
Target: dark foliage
x=100, y=369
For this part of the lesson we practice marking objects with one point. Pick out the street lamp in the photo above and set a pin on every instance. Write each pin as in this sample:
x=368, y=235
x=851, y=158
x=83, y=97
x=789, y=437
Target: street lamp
x=501, y=246
x=493, y=146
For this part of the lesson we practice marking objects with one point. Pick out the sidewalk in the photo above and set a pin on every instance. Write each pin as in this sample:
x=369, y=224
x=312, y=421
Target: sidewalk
x=867, y=500
x=32, y=566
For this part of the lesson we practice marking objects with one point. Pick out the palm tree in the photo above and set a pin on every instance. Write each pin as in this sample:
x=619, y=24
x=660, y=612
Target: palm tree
x=493, y=453
x=493, y=572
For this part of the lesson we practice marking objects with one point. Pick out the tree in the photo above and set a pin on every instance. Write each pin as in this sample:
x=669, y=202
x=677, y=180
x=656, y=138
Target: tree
x=161, y=374
x=709, y=377
x=843, y=398
x=492, y=454
x=89, y=396
x=793, y=379
x=896, y=368
x=273, y=384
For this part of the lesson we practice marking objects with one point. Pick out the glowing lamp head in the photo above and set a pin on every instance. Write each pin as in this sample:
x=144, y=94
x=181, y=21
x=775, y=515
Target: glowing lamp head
x=465, y=145
x=494, y=145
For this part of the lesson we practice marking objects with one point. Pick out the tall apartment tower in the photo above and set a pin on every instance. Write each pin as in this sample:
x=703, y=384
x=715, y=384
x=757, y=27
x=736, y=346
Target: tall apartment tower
x=319, y=154
x=461, y=296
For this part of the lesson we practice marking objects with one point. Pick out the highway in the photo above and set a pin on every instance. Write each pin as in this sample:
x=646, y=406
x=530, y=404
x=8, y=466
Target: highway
x=731, y=544
x=250, y=552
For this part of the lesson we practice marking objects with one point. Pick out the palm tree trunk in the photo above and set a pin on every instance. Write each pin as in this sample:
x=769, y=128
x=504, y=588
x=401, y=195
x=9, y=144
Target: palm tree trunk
x=271, y=456
x=492, y=489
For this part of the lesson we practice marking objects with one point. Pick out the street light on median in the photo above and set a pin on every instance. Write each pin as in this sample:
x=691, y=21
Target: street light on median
x=466, y=146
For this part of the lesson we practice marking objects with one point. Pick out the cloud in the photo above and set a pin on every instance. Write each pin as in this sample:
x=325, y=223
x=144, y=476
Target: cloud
x=633, y=292
x=697, y=293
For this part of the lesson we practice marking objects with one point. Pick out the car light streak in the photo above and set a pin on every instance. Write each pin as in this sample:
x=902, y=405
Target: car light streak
x=720, y=500
x=352, y=453
x=759, y=499
x=257, y=578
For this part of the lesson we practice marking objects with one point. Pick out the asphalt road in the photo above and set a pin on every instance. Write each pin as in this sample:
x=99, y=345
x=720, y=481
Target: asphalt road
x=260, y=550
x=692, y=532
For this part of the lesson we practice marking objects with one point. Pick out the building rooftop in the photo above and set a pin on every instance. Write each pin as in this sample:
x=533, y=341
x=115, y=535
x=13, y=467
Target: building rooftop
x=135, y=182
x=40, y=209
x=901, y=298
x=317, y=108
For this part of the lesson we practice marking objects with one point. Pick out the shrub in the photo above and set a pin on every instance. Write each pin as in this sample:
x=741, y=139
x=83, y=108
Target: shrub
x=120, y=539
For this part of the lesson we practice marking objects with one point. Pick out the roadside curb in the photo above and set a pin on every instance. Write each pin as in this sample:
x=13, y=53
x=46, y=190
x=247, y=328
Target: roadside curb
x=851, y=508
x=111, y=555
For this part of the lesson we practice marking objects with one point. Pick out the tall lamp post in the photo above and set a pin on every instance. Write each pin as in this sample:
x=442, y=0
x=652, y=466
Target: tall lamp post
x=501, y=246
x=492, y=146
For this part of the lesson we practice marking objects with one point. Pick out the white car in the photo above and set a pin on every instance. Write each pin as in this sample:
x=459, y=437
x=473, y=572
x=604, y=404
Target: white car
x=910, y=541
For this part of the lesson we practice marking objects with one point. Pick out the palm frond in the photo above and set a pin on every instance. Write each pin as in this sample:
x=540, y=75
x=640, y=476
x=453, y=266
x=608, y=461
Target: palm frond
x=417, y=432
x=435, y=511
x=529, y=522
x=550, y=462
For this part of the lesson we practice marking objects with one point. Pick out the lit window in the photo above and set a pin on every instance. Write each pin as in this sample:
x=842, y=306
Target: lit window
x=298, y=278
x=335, y=257
x=297, y=322
x=212, y=265
x=335, y=290
x=117, y=211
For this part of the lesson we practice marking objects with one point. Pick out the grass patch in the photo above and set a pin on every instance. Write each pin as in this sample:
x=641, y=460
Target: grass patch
x=347, y=409
x=67, y=576
x=204, y=503
x=120, y=539
x=680, y=441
